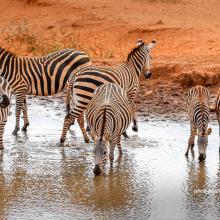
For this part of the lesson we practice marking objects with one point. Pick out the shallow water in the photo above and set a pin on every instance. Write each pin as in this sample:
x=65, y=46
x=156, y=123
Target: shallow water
x=39, y=179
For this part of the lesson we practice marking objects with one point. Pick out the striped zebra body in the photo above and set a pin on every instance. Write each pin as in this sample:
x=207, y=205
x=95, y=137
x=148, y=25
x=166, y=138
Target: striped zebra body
x=126, y=75
x=5, y=99
x=42, y=76
x=217, y=109
x=108, y=116
x=199, y=115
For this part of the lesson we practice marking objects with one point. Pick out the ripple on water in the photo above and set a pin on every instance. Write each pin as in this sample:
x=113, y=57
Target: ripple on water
x=39, y=178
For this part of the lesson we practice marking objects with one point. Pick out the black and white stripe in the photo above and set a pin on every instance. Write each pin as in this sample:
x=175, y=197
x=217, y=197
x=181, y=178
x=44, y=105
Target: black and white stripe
x=5, y=99
x=87, y=79
x=199, y=115
x=108, y=116
x=42, y=76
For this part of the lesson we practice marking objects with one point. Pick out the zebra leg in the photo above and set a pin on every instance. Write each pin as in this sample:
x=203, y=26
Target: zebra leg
x=2, y=126
x=26, y=121
x=111, y=154
x=19, y=105
x=80, y=121
x=135, y=126
x=119, y=146
x=191, y=141
x=68, y=121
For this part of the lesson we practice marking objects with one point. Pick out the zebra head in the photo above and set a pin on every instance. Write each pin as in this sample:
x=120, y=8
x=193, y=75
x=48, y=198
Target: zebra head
x=144, y=58
x=202, y=143
x=4, y=100
x=100, y=156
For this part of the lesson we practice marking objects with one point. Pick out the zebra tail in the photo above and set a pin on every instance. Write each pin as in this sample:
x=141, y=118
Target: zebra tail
x=103, y=124
x=69, y=92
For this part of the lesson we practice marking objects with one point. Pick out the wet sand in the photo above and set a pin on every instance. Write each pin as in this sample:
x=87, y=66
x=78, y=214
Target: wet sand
x=39, y=179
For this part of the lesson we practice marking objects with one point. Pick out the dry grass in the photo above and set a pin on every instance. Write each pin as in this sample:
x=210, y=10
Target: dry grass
x=17, y=37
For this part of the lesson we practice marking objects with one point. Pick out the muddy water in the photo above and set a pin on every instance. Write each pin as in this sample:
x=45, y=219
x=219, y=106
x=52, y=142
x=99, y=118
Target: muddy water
x=39, y=179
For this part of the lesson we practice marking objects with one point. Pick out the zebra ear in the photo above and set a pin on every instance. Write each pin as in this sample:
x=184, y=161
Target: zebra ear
x=151, y=45
x=139, y=42
x=209, y=131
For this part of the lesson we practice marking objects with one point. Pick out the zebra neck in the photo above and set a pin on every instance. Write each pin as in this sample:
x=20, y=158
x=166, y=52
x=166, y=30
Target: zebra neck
x=137, y=64
x=5, y=58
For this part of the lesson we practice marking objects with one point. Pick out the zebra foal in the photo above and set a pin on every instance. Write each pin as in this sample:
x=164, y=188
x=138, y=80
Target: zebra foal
x=5, y=97
x=108, y=116
x=199, y=115
x=127, y=75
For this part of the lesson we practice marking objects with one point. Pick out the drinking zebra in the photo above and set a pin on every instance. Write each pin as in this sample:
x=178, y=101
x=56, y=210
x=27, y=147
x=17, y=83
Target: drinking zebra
x=217, y=109
x=198, y=108
x=42, y=76
x=87, y=79
x=108, y=116
x=5, y=97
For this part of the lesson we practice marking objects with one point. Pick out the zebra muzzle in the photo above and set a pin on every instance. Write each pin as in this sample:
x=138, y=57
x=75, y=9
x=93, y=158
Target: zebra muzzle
x=147, y=74
x=97, y=170
x=5, y=101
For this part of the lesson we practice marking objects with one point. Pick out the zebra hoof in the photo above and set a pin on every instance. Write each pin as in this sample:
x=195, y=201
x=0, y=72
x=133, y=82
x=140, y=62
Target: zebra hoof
x=24, y=128
x=87, y=140
x=135, y=128
x=62, y=140
x=125, y=135
x=15, y=132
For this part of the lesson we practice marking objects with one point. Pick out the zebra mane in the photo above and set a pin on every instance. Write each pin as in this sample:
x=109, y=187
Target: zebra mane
x=7, y=51
x=134, y=50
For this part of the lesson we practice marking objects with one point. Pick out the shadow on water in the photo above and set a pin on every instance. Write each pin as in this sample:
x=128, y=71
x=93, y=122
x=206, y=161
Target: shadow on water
x=41, y=179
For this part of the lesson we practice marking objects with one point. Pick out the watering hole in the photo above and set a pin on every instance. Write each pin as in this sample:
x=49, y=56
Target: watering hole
x=40, y=179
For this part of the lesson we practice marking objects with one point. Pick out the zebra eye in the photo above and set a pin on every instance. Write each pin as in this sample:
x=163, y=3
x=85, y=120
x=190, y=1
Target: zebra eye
x=104, y=153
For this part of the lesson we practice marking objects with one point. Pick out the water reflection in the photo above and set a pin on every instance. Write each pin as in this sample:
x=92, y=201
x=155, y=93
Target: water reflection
x=217, y=192
x=197, y=198
x=40, y=179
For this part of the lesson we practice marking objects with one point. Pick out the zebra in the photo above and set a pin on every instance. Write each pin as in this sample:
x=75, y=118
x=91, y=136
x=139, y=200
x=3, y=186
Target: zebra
x=87, y=79
x=199, y=115
x=5, y=99
x=217, y=109
x=41, y=76
x=108, y=115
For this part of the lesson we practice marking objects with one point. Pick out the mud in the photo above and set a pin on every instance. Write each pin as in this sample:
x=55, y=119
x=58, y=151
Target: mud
x=41, y=179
